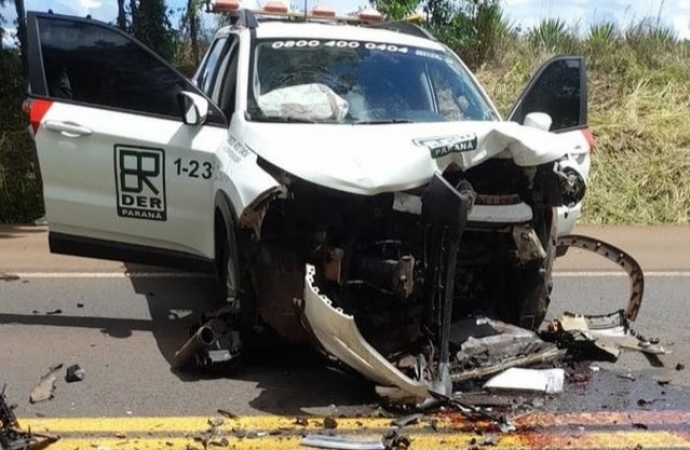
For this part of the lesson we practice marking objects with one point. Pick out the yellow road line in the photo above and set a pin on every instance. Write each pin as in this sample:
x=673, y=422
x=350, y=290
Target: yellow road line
x=613, y=441
x=453, y=421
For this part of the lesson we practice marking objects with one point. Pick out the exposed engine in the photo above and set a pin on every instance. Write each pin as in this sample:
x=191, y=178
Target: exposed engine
x=390, y=264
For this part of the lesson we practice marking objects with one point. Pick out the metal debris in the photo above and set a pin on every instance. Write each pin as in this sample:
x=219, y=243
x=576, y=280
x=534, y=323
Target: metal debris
x=341, y=443
x=74, y=374
x=609, y=334
x=516, y=379
x=407, y=420
x=45, y=388
x=12, y=437
x=330, y=423
x=212, y=345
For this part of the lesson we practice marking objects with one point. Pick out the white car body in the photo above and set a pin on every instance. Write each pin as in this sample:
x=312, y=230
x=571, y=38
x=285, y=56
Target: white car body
x=147, y=187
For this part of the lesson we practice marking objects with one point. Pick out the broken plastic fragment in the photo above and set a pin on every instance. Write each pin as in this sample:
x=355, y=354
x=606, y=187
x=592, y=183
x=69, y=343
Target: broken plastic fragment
x=549, y=381
x=341, y=443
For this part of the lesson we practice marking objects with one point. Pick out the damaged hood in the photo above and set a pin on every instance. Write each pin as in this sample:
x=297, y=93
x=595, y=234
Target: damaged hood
x=375, y=158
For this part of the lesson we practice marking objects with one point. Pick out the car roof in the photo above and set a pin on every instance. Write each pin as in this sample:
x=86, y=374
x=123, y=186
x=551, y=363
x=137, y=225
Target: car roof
x=281, y=29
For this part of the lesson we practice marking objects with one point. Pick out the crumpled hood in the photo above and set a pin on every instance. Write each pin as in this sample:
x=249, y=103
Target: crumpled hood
x=371, y=159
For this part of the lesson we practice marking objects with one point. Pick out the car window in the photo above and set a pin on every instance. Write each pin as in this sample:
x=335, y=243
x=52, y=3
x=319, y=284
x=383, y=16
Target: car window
x=207, y=74
x=94, y=64
x=359, y=81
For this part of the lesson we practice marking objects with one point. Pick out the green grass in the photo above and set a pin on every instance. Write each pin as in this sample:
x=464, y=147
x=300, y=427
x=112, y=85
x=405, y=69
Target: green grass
x=639, y=112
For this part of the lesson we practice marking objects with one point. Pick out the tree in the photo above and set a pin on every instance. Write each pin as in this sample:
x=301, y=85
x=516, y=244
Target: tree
x=21, y=34
x=121, y=15
x=192, y=24
x=151, y=26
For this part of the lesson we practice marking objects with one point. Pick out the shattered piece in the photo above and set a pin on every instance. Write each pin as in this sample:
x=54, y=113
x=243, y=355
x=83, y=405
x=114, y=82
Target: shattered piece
x=256, y=434
x=121, y=436
x=663, y=381
x=640, y=426
x=227, y=414
x=46, y=386
x=627, y=376
x=12, y=436
x=341, y=443
x=56, y=311
x=301, y=421
x=490, y=440
x=8, y=277
x=80, y=305
x=216, y=422
x=396, y=441
x=74, y=373
x=549, y=381
x=407, y=420
x=680, y=366
x=239, y=433
x=330, y=423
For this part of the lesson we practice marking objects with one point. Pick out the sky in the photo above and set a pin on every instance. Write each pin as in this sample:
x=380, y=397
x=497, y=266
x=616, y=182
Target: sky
x=526, y=13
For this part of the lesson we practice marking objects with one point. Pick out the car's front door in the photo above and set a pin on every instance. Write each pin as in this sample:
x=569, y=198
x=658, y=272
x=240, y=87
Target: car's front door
x=559, y=89
x=124, y=177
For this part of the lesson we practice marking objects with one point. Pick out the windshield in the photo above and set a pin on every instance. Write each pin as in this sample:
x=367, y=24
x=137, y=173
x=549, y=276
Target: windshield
x=327, y=81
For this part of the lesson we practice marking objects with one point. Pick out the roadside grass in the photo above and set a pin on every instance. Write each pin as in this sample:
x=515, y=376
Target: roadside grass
x=639, y=112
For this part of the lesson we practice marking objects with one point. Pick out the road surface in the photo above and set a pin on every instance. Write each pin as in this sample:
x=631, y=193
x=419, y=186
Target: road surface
x=124, y=329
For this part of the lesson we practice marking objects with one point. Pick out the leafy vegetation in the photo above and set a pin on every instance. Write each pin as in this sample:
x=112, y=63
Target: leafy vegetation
x=639, y=97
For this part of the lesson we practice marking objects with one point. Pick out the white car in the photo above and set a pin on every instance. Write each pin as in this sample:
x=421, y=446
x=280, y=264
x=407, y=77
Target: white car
x=348, y=180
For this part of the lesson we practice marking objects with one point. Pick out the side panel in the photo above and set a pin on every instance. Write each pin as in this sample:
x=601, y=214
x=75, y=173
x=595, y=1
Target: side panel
x=136, y=180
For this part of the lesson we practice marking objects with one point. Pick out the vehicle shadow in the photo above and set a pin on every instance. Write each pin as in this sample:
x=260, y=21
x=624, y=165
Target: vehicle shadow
x=290, y=378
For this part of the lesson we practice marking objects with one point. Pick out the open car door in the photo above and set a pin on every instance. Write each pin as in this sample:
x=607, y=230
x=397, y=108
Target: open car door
x=126, y=146
x=559, y=89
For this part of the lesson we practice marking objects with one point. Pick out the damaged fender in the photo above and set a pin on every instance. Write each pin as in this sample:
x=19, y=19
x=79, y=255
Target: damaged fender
x=337, y=332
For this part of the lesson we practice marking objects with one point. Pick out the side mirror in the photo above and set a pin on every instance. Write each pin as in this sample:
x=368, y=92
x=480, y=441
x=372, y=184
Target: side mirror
x=193, y=108
x=539, y=120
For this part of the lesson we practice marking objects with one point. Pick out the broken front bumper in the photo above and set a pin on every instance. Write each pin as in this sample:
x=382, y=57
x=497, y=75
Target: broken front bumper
x=337, y=332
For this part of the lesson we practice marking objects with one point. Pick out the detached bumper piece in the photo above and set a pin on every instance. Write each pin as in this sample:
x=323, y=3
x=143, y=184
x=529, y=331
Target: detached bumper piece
x=338, y=334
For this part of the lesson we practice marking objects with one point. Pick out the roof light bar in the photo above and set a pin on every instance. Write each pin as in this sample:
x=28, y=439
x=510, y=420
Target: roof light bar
x=274, y=6
x=370, y=15
x=225, y=6
x=323, y=11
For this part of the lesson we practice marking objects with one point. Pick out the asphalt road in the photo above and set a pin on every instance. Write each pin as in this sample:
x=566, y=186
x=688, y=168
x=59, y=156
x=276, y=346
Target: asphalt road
x=124, y=330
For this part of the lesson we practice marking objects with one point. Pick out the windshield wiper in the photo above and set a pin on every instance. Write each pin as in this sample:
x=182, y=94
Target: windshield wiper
x=281, y=119
x=382, y=121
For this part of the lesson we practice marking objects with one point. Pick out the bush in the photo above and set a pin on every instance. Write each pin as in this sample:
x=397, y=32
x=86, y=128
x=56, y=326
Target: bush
x=20, y=190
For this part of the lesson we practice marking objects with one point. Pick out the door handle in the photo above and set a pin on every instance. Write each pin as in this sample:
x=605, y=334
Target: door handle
x=68, y=129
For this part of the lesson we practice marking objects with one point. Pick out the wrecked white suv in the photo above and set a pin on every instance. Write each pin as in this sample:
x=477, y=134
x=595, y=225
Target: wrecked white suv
x=351, y=185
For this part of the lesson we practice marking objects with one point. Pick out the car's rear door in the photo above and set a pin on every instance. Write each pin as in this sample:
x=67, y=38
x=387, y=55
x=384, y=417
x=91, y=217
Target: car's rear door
x=559, y=88
x=123, y=176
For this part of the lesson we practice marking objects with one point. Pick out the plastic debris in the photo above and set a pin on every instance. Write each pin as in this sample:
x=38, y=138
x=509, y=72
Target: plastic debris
x=549, y=381
x=341, y=443
x=74, y=373
x=45, y=388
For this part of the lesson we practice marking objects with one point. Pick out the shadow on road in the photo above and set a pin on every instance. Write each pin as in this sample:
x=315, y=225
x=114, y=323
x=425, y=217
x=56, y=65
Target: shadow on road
x=290, y=378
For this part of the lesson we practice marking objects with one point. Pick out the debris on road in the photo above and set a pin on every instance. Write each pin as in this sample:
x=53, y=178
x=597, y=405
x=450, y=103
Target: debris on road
x=330, y=423
x=341, y=443
x=54, y=312
x=607, y=334
x=407, y=420
x=8, y=276
x=74, y=374
x=680, y=366
x=12, y=436
x=227, y=414
x=212, y=345
x=516, y=379
x=46, y=386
